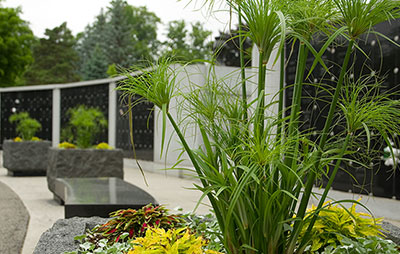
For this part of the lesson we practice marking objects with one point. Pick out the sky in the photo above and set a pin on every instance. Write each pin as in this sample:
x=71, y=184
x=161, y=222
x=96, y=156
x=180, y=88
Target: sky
x=42, y=14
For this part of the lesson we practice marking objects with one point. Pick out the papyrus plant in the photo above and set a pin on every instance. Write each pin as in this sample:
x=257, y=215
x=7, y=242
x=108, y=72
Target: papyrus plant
x=258, y=169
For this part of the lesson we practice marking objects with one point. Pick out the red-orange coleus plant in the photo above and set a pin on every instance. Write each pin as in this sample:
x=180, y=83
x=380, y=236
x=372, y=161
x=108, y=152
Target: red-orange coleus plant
x=134, y=222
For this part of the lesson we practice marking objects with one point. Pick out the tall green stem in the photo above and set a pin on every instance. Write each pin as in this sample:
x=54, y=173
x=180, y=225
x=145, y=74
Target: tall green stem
x=213, y=202
x=259, y=121
x=296, y=100
x=280, y=108
x=132, y=140
x=311, y=176
x=281, y=94
x=242, y=66
x=327, y=188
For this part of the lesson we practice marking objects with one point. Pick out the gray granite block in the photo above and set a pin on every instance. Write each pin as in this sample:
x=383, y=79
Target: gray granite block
x=86, y=197
x=60, y=237
x=25, y=157
x=71, y=163
x=391, y=232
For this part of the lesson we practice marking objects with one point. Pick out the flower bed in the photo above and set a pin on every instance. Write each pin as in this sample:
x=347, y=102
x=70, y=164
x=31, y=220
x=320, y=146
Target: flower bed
x=149, y=228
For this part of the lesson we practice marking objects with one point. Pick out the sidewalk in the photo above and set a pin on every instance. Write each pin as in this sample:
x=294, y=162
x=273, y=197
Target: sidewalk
x=166, y=188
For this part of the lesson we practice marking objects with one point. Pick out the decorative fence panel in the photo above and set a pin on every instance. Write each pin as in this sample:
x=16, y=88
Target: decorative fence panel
x=37, y=103
x=143, y=129
x=384, y=60
x=49, y=105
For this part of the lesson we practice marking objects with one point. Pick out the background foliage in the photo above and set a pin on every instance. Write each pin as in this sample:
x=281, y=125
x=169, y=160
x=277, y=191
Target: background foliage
x=16, y=39
x=185, y=45
x=121, y=36
x=55, y=59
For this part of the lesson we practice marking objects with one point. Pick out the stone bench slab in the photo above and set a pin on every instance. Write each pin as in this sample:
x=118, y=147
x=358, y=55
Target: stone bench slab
x=86, y=197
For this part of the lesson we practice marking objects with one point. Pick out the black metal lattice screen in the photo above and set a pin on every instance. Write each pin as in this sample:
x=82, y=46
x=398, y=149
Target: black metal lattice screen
x=143, y=128
x=91, y=96
x=383, y=59
x=37, y=103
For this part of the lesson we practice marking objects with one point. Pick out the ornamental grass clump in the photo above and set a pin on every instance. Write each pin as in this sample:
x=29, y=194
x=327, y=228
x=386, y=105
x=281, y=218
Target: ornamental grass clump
x=256, y=165
x=26, y=127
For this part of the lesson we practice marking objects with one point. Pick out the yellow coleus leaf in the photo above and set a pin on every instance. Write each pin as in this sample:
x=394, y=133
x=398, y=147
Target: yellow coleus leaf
x=316, y=244
x=350, y=229
x=212, y=252
x=173, y=241
x=334, y=220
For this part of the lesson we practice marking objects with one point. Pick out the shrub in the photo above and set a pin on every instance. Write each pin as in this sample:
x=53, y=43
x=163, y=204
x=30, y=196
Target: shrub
x=26, y=126
x=177, y=240
x=83, y=126
x=335, y=223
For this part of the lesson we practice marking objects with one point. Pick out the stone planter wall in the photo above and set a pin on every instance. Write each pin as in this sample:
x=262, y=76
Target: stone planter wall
x=60, y=237
x=25, y=158
x=68, y=163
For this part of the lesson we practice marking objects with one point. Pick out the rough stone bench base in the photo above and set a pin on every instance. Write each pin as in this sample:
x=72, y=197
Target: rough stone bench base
x=86, y=197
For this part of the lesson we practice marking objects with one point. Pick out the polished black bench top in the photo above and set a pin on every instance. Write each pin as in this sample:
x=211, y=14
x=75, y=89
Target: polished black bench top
x=85, y=197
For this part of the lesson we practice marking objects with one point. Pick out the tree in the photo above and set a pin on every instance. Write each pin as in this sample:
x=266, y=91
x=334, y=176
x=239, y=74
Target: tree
x=55, y=58
x=16, y=39
x=91, y=48
x=124, y=36
x=96, y=65
x=118, y=34
x=144, y=32
x=186, y=46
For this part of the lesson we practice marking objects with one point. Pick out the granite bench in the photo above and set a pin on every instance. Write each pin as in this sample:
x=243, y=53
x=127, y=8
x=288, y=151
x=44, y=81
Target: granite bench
x=86, y=197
